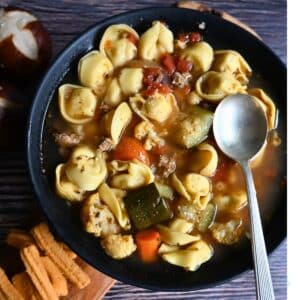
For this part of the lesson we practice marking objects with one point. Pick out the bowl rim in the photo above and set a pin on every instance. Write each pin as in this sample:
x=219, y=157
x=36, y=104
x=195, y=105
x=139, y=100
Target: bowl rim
x=32, y=164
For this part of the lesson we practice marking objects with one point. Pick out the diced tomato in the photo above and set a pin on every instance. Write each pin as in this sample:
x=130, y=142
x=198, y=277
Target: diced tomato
x=149, y=91
x=183, y=37
x=151, y=75
x=169, y=63
x=194, y=37
x=132, y=38
x=164, y=89
x=130, y=148
x=183, y=65
x=157, y=87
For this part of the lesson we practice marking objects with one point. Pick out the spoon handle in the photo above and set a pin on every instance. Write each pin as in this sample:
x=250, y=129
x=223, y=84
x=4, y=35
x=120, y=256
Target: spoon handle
x=264, y=286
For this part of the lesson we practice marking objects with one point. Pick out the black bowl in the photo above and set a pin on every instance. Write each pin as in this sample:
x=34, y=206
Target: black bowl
x=43, y=155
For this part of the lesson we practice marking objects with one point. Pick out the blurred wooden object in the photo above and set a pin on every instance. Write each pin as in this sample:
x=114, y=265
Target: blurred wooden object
x=203, y=8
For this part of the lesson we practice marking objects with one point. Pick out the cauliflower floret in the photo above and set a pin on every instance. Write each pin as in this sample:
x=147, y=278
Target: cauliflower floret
x=97, y=218
x=145, y=131
x=227, y=233
x=118, y=246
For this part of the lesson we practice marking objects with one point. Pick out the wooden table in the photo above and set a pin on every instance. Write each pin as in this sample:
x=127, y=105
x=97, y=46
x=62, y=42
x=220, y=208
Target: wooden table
x=65, y=19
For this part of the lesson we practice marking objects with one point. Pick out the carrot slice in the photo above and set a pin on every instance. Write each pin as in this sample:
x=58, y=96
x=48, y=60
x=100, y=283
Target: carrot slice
x=148, y=242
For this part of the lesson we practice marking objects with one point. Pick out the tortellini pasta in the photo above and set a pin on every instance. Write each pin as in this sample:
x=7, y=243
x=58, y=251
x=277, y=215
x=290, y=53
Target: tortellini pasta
x=190, y=258
x=113, y=95
x=94, y=70
x=65, y=188
x=232, y=62
x=86, y=168
x=181, y=225
x=176, y=238
x=200, y=54
x=119, y=44
x=113, y=198
x=158, y=107
x=130, y=174
x=77, y=104
x=156, y=41
x=267, y=104
x=117, y=120
x=131, y=80
x=204, y=160
x=214, y=86
x=193, y=187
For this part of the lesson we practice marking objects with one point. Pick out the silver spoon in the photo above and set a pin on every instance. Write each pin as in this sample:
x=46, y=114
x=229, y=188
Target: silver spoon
x=240, y=130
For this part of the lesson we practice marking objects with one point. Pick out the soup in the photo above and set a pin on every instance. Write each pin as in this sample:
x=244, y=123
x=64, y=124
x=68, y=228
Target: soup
x=138, y=152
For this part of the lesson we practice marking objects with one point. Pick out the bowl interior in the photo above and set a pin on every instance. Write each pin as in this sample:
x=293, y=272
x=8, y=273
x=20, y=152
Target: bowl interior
x=43, y=156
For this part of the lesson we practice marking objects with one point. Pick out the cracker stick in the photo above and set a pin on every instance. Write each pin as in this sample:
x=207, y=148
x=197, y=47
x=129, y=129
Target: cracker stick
x=19, y=238
x=69, y=268
x=7, y=290
x=35, y=269
x=57, y=279
x=24, y=285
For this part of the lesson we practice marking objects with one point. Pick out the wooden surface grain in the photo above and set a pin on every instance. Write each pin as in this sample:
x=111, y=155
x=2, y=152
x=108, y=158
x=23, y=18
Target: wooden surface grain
x=65, y=19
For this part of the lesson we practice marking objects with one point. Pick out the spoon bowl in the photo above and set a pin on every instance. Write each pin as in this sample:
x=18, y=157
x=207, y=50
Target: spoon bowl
x=240, y=127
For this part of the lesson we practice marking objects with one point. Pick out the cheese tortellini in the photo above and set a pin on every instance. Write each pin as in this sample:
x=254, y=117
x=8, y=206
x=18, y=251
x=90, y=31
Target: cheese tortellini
x=174, y=237
x=193, y=187
x=156, y=41
x=267, y=105
x=214, y=86
x=157, y=108
x=94, y=70
x=201, y=55
x=117, y=120
x=119, y=44
x=190, y=258
x=86, y=168
x=204, y=160
x=113, y=198
x=130, y=175
x=232, y=62
x=65, y=188
x=77, y=104
x=129, y=82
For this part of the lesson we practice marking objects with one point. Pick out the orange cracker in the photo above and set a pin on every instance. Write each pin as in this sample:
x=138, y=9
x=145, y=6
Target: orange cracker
x=24, y=285
x=19, y=238
x=57, y=279
x=35, y=269
x=69, y=268
x=67, y=250
x=7, y=290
